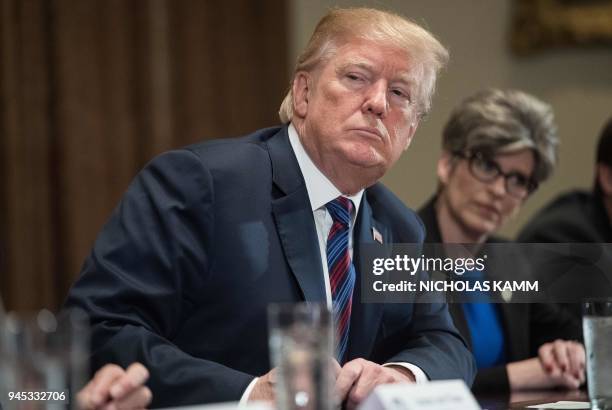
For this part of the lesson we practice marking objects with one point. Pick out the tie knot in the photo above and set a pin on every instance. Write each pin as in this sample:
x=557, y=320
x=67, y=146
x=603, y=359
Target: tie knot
x=340, y=210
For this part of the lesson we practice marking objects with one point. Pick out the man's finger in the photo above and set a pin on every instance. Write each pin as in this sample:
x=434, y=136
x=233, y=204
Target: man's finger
x=371, y=376
x=135, y=376
x=83, y=398
x=101, y=384
x=347, y=376
x=336, y=368
x=137, y=399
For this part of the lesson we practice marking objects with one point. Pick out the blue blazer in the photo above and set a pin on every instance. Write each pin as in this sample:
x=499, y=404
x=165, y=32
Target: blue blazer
x=204, y=239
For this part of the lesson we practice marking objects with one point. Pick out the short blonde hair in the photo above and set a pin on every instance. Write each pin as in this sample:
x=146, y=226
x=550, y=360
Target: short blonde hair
x=339, y=26
x=497, y=121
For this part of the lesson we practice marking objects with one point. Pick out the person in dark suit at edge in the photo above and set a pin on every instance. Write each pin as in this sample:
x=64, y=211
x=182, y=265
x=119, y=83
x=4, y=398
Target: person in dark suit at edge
x=579, y=216
x=497, y=147
x=585, y=218
x=207, y=236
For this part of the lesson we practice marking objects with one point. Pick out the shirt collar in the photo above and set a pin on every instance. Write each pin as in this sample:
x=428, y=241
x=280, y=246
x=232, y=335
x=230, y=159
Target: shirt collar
x=320, y=189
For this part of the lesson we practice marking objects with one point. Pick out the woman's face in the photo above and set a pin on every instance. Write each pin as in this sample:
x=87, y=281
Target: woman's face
x=481, y=208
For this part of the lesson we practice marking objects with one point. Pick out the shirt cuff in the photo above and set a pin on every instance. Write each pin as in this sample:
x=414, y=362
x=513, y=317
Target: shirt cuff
x=419, y=375
x=245, y=396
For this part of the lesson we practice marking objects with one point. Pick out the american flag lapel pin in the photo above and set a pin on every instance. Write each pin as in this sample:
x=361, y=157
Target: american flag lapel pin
x=377, y=236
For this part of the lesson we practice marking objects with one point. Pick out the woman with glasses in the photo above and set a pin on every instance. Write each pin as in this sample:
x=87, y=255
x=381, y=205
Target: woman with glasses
x=497, y=147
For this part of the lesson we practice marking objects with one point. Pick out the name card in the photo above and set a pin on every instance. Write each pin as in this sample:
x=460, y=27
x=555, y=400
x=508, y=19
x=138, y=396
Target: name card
x=435, y=395
x=234, y=405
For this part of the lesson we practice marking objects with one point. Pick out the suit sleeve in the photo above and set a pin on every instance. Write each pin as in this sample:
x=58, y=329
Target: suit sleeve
x=432, y=343
x=142, y=280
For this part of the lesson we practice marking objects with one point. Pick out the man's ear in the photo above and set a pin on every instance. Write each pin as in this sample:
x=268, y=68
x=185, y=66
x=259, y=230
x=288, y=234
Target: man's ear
x=604, y=178
x=301, y=93
x=445, y=167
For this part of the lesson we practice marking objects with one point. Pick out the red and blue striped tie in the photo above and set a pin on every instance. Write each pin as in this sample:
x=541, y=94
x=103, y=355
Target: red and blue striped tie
x=341, y=270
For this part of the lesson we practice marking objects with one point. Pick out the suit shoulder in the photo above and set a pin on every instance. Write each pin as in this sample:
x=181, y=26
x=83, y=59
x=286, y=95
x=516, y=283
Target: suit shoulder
x=566, y=219
x=239, y=164
x=390, y=210
x=235, y=151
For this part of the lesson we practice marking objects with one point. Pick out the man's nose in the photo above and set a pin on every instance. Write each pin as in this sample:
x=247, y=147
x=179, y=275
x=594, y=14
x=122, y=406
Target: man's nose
x=376, y=99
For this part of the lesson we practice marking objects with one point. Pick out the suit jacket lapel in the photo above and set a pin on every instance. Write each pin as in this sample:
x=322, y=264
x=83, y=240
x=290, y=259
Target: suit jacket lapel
x=365, y=317
x=294, y=219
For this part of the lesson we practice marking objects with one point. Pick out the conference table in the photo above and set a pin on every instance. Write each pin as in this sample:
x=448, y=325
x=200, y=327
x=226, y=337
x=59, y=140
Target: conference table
x=522, y=400
x=499, y=401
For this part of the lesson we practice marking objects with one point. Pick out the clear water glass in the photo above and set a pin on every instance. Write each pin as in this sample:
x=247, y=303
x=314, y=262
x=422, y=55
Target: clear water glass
x=43, y=359
x=301, y=349
x=597, y=328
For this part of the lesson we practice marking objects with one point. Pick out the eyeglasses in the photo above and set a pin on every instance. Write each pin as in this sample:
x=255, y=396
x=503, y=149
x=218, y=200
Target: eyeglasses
x=487, y=170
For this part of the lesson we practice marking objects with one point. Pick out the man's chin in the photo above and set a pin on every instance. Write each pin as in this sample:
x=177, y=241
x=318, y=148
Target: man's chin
x=363, y=173
x=367, y=160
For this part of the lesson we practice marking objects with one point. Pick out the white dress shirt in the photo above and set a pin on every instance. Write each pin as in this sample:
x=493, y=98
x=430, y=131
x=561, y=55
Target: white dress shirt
x=320, y=192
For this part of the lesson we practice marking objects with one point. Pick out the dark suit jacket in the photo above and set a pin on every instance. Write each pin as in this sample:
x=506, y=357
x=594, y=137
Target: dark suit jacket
x=204, y=239
x=526, y=325
x=575, y=216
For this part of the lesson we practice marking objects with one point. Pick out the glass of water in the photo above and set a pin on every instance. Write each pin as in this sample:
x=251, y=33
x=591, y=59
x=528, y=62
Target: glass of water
x=597, y=328
x=301, y=349
x=43, y=359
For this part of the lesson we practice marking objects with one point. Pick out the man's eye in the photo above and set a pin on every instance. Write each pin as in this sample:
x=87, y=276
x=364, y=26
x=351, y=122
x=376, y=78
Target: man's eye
x=399, y=93
x=354, y=77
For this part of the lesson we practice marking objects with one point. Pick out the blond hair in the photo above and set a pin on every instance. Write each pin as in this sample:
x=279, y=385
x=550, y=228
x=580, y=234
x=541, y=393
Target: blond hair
x=495, y=121
x=340, y=26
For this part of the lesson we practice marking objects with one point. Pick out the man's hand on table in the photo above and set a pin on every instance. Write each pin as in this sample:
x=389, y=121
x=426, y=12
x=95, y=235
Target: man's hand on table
x=353, y=382
x=359, y=377
x=114, y=388
x=264, y=387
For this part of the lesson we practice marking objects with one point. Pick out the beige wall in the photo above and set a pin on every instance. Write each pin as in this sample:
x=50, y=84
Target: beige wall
x=577, y=82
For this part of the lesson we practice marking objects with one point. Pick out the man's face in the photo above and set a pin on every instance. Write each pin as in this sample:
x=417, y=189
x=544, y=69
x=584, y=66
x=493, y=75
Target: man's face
x=355, y=113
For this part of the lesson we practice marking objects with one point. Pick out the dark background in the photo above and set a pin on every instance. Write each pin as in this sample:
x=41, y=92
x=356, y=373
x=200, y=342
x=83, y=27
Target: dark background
x=93, y=89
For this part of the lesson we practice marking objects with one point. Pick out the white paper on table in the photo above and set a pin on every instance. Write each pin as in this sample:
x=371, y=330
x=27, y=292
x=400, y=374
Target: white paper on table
x=433, y=395
x=257, y=405
x=562, y=405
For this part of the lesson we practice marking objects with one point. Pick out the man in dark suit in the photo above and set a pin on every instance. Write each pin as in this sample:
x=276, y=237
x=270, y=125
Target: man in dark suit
x=579, y=216
x=585, y=218
x=208, y=236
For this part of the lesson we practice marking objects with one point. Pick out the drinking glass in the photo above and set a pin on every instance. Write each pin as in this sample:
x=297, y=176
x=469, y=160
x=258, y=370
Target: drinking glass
x=43, y=359
x=597, y=328
x=301, y=349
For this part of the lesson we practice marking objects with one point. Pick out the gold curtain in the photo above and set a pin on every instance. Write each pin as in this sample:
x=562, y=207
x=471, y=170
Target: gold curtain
x=91, y=90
